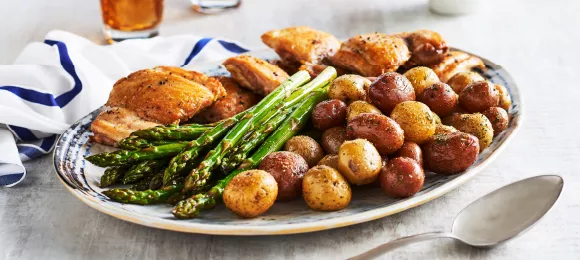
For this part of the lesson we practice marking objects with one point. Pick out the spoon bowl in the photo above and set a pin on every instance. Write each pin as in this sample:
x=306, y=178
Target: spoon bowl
x=494, y=218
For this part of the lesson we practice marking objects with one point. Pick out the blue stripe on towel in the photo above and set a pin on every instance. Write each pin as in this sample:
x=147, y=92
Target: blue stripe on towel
x=196, y=49
x=30, y=151
x=232, y=47
x=10, y=178
x=48, y=99
x=22, y=133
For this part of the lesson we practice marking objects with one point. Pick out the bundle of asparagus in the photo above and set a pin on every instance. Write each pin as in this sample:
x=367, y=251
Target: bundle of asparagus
x=155, y=160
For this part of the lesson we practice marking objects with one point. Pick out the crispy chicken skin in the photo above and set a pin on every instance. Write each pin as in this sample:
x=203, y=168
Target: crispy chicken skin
x=117, y=123
x=427, y=47
x=372, y=54
x=315, y=69
x=164, y=95
x=302, y=44
x=236, y=100
x=255, y=74
x=455, y=62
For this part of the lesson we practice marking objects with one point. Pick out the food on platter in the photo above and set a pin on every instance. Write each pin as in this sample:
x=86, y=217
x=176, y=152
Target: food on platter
x=306, y=147
x=360, y=107
x=287, y=168
x=255, y=74
x=236, y=100
x=476, y=124
x=390, y=89
x=333, y=138
x=416, y=119
x=455, y=62
x=371, y=54
x=411, y=150
x=378, y=124
x=328, y=114
x=450, y=153
x=251, y=193
x=462, y=79
x=301, y=44
x=440, y=98
x=359, y=161
x=384, y=133
x=401, y=177
x=498, y=118
x=325, y=189
x=421, y=77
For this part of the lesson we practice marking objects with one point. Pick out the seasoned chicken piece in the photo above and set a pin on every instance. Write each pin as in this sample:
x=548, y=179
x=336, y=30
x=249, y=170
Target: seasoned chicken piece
x=255, y=74
x=315, y=69
x=116, y=123
x=164, y=95
x=301, y=44
x=372, y=54
x=455, y=62
x=427, y=47
x=236, y=100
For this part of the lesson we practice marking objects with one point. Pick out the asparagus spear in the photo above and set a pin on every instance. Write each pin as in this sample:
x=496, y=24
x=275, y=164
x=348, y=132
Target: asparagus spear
x=112, y=175
x=180, y=162
x=172, y=132
x=252, y=141
x=199, y=176
x=142, y=169
x=142, y=197
x=157, y=181
x=125, y=157
x=192, y=206
x=143, y=184
x=136, y=143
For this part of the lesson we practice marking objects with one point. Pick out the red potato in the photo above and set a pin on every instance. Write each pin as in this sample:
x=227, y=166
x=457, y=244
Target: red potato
x=306, y=147
x=384, y=133
x=462, y=79
x=450, y=153
x=402, y=177
x=411, y=150
x=479, y=96
x=498, y=117
x=390, y=89
x=505, y=101
x=288, y=169
x=328, y=114
x=333, y=138
x=440, y=98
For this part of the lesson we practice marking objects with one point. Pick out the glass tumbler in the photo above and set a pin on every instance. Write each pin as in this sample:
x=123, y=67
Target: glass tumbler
x=214, y=6
x=131, y=19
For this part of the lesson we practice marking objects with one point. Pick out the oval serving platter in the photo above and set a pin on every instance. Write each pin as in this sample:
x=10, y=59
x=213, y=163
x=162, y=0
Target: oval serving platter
x=81, y=178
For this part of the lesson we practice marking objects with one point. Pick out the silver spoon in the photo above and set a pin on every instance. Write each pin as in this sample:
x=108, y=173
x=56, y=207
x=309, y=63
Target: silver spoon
x=494, y=218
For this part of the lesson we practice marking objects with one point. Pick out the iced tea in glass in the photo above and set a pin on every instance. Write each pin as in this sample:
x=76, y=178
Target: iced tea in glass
x=130, y=19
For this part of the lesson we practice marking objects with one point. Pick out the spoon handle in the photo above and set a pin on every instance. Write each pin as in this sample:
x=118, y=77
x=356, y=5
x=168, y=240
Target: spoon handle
x=403, y=241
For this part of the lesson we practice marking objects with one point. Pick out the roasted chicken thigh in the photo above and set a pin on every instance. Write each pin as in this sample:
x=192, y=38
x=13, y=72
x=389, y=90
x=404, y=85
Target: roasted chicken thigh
x=427, y=47
x=255, y=74
x=372, y=54
x=455, y=62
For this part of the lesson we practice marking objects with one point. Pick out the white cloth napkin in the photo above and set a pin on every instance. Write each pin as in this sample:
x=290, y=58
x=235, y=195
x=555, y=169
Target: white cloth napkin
x=54, y=83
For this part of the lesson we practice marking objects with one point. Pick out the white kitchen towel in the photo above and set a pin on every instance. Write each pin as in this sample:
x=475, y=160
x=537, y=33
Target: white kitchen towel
x=54, y=83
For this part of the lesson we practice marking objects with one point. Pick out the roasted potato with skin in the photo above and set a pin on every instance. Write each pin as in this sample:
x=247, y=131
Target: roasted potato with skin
x=505, y=101
x=333, y=138
x=411, y=150
x=421, y=78
x=287, y=169
x=479, y=96
x=476, y=124
x=329, y=113
x=349, y=88
x=323, y=188
x=359, y=161
x=444, y=129
x=499, y=119
x=436, y=118
x=416, y=119
x=390, y=89
x=358, y=107
x=450, y=153
x=462, y=79
x=402, y=177
x=306, y=147
x=384, y=133
x=440, y=98
x=330, y=160
x=250, y=193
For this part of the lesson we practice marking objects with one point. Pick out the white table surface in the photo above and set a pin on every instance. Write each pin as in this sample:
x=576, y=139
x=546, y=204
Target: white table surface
x=537, y=41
